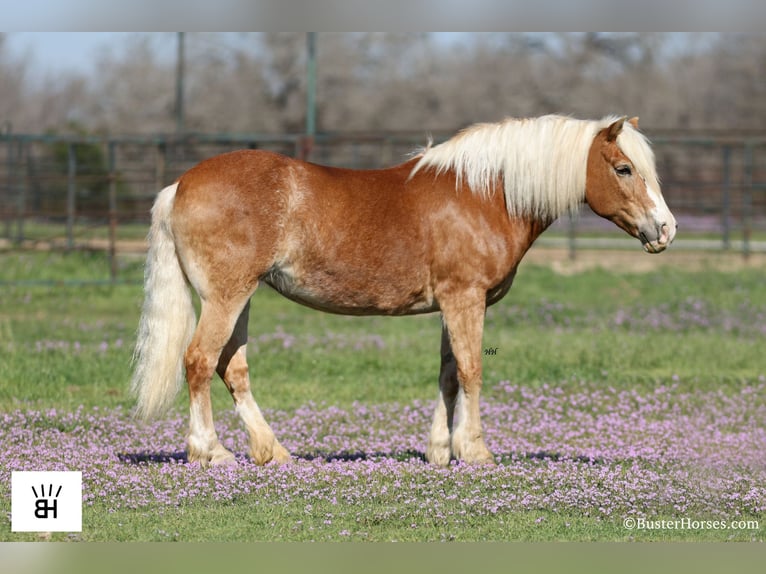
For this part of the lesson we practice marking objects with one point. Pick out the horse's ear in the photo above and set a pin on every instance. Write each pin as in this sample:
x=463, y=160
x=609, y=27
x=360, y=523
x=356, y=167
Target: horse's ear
x=614, y=130
x=634, y=121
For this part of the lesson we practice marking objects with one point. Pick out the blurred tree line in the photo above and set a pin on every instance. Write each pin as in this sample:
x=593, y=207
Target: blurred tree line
x=395, y=81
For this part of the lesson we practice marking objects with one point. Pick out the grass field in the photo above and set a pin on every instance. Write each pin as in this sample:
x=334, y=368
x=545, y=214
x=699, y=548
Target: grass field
x=609, y=396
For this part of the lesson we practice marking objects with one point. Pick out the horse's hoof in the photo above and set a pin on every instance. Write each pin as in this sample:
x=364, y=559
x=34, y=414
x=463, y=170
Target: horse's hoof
x=277, y=454
x=218, y=456
x=438, y=455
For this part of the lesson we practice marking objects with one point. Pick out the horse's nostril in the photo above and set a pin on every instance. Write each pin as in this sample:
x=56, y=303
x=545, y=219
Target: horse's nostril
x=663, y=235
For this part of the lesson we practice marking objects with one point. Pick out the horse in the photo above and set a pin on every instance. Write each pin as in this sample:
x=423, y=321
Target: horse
x=444, y=231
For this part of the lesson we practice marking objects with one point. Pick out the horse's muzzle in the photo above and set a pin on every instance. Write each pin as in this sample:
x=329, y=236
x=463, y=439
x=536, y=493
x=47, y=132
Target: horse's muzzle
x=660, y=238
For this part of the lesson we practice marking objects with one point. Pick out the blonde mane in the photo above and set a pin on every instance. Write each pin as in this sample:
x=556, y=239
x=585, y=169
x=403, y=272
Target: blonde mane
x=542, y=161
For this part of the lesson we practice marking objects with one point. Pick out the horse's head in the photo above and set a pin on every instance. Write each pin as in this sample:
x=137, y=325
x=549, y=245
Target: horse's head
x=622, y=185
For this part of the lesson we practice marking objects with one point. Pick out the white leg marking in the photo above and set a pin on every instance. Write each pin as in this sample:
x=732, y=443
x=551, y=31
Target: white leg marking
x=467, y=438
x=438, y=451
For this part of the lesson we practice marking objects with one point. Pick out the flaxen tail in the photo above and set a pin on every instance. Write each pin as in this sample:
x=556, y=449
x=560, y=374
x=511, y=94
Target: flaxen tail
x=167, y=318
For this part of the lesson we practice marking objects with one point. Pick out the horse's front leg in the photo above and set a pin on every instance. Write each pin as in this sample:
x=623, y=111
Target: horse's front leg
x=464, y=320
x=439, y=450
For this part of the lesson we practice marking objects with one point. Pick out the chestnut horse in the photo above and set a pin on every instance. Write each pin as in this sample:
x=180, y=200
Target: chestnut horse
x=444, y=231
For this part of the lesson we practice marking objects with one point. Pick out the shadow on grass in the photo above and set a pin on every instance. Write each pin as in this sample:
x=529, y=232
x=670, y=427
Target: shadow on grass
x=346, y=456
x=153, y=457
x=508, y=459
x=181, y=457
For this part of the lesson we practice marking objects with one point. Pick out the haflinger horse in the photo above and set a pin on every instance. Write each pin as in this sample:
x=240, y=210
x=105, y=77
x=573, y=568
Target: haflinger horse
x=444, y=231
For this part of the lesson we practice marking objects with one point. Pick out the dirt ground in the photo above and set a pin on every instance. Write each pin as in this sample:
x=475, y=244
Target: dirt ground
x=623, y=260
x=640, y=262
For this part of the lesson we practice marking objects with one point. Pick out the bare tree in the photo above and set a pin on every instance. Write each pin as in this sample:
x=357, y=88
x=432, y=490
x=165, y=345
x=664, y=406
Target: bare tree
x=227, y=89
x=385, y=81
x=12, y=88
x=134, y=91
x=285, y=71
x=735, y=91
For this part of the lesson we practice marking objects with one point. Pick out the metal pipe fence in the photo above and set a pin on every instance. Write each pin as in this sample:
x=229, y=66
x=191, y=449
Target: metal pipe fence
x=91, y=192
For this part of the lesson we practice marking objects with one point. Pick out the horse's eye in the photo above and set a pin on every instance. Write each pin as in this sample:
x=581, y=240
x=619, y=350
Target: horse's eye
x=623, y=170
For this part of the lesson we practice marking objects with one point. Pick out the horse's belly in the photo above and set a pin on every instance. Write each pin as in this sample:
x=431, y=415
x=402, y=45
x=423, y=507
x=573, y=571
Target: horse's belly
x=353, y=292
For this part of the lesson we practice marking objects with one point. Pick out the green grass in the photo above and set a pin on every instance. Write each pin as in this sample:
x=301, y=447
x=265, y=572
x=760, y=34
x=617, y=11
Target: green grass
x=246, y=521
x=44, y=231
x=67, y=345
x=528, y=328
x=531, y=349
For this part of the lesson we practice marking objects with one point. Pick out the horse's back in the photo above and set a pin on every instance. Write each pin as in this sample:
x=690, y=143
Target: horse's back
x=348, y=241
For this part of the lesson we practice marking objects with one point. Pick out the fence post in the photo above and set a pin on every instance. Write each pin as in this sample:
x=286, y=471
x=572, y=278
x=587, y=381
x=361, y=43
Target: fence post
x=70, y=195
x=9, y=186
x=311, y=88
x=112, y=212
x=726, y=198
x=21, y=201
x=747, y=199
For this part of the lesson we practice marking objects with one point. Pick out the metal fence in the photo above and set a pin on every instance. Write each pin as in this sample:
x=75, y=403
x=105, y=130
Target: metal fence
x=74, y=192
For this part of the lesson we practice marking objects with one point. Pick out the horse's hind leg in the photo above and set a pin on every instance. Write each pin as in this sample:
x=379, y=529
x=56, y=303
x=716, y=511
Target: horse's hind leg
x=438, y=451
x=232, y=367
x=214, y=329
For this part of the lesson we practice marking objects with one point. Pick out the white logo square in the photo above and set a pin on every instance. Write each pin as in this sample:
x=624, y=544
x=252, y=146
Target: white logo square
x=46, y=501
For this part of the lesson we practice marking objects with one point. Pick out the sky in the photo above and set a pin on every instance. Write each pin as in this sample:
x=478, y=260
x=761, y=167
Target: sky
x=392, y=15
x=54, y=52
x=60, y=52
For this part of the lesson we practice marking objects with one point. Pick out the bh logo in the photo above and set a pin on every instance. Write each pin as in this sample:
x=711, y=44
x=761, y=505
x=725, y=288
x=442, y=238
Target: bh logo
x=47, y=501
x=43, y=505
